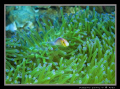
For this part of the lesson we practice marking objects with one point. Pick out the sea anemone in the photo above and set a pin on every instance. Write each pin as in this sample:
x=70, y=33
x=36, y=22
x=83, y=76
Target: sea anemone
x=89, y=58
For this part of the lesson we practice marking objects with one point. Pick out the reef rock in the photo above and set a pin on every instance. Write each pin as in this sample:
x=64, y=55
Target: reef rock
x=109, y=9
x=8, y=9
x=99, y=9
x=11, y=27
x=22, y=16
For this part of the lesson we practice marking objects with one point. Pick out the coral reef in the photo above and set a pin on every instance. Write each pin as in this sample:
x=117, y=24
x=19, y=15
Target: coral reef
x=89, y=58
x=99, y=9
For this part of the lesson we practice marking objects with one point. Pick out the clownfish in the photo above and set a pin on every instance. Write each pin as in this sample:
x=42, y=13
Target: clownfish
x=60, y=41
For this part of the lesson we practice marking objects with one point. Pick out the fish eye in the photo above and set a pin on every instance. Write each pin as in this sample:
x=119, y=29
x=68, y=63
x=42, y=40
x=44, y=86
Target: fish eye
x=63, y=42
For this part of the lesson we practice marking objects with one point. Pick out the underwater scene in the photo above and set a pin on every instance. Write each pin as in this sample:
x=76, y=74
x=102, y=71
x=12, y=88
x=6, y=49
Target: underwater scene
x=60, y=45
